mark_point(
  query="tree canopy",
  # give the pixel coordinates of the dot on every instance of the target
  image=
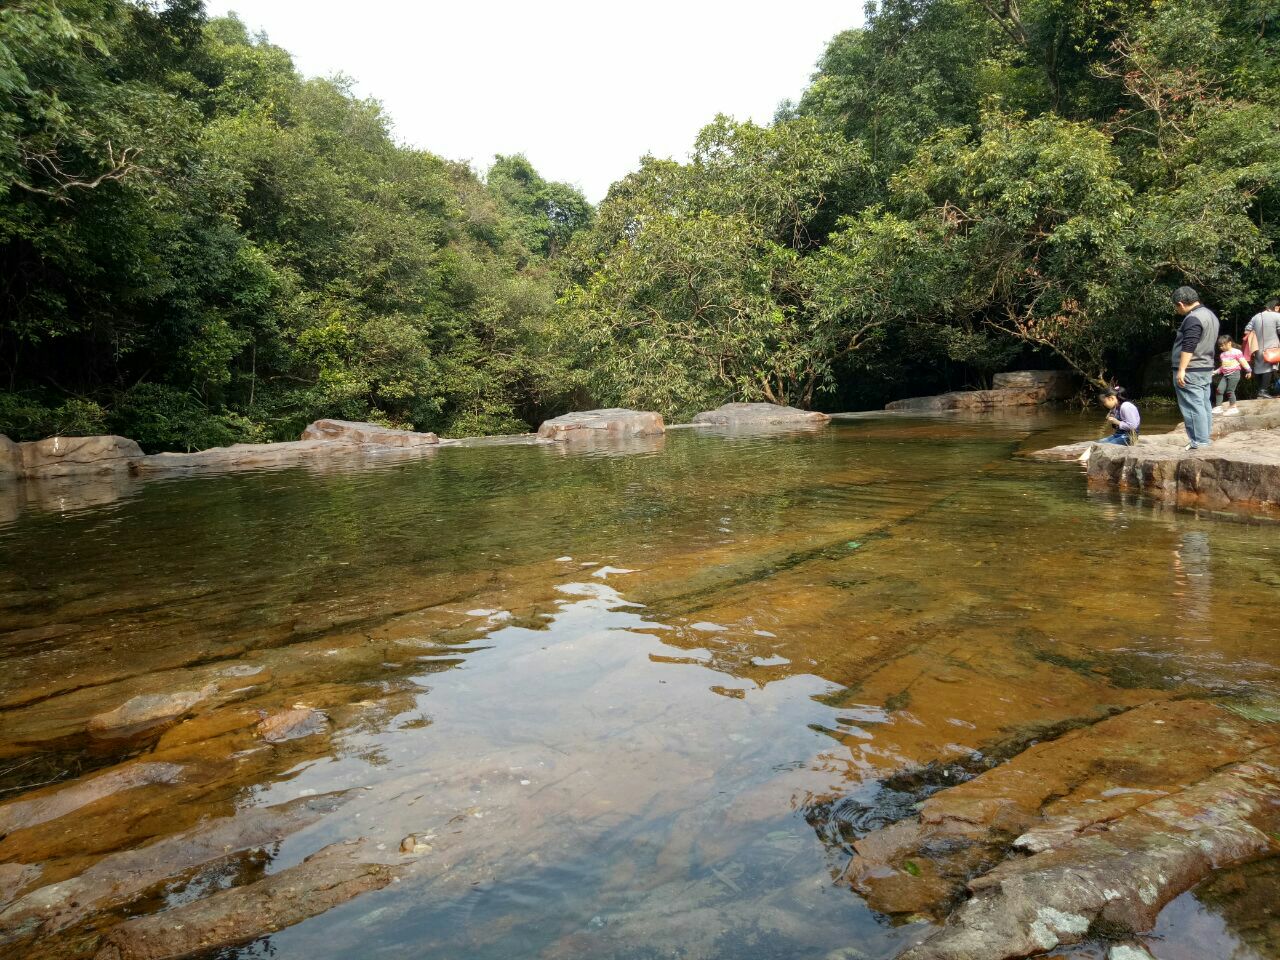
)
(198, 245)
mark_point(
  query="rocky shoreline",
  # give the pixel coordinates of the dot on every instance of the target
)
(1240, 471)
(84, 457)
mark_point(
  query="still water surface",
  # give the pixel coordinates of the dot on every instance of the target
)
(641, 700)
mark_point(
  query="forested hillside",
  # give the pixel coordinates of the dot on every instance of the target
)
(199, 246)
(965, 185)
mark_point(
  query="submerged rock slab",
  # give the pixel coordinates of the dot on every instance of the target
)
(759, 414)
(232, 917)
(348, 431)
(1045, 797)
(119, 878)
(608, 424)
(292, 724)
(1114, 879)
(63, 456)
(146, 712)
(58, 801)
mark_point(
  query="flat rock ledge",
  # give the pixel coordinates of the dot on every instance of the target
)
(1241, 469)
(760, 415)
(608, 424)
(1085, 836)
(1018, 388)
(85, 456)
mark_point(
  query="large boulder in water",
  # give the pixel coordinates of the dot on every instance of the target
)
(10, 459)
(759, 414)
(1056, 384)
(62, 456)
(610, 424)
(349, 431)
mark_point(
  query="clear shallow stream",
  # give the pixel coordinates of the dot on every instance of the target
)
(640, 699)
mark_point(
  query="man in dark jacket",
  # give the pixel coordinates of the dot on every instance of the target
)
(1193, 365)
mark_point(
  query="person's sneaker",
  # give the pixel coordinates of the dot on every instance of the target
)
(1233, 412)
(1189, 446)
(1219, 408)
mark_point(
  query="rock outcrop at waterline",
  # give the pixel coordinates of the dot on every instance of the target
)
(759, 414)
(609, 424)
(1240, 469)
(372, 434)
(1087, 835)
(85, 456)
(65, 456)
(1019, 388)
(10, 459)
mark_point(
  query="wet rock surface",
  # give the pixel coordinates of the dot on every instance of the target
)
(1047, 796)
(1113, 879)
(119, 878)
(607, 424)
(63, 456)
(1061, 453)
(292, 724)
(55, 802)
(10, 459)
(348, 431)
(147, 711)
(324, 880)
(1241, 468)
(759, 414)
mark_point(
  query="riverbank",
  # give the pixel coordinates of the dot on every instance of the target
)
(1239, 471)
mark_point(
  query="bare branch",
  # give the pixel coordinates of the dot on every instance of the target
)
(50, 165)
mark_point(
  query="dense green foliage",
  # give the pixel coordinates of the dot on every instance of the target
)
(965, 185)
(198, 246)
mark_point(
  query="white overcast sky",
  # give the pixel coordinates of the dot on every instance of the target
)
(583, 88)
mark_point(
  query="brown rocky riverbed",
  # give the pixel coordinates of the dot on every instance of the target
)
(807, 693)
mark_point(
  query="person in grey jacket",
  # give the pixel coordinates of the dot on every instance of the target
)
(1193, 365)
(1265, 327)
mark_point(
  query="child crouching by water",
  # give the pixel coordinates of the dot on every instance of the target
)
(1122, 415)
